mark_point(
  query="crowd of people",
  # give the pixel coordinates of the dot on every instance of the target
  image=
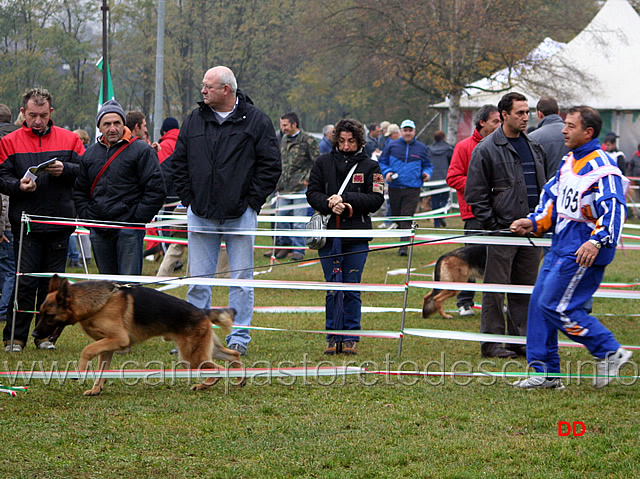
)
(226, 160)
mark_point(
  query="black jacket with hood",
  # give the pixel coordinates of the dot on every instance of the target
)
(221, 168)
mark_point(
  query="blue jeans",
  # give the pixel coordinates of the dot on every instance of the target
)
(74, 254)
(302, 211)
(118, 251)
(205, 239)
(7, 274)
(352, 267)
(557, 303)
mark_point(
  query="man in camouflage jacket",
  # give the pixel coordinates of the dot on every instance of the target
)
(298, 151)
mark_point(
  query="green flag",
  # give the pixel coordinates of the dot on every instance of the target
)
(110, 94)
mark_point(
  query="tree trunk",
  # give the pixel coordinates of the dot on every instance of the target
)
(454, 116)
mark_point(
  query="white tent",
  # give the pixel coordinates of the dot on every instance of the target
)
(599, 68)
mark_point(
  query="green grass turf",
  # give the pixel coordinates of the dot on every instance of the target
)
(355, 426)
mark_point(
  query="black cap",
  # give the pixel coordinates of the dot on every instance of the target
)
(170, 123)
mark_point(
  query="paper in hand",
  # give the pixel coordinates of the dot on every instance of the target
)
(34, 171)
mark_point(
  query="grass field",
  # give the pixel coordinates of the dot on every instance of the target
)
(354, 426)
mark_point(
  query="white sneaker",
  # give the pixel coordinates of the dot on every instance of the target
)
(393, 226)
(46, 345)
(609, 367)
(466, 311)
(539, 382)
(16, 348)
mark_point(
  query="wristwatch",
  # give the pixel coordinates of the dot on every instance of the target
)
(595, 243)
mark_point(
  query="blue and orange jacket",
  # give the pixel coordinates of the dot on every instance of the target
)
(24, 148)
(603, 205)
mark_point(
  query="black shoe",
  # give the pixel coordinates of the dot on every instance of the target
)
(403, 251)
(520, 350)
(282, 253)
(500, 353)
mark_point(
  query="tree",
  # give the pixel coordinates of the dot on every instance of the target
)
(47, 43)
(440, 47)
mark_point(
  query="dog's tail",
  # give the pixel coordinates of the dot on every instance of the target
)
(223, 317)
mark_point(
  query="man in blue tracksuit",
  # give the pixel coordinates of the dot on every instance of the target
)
(405, 164)
(585, 205)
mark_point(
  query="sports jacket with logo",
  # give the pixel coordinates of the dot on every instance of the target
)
(579, 210)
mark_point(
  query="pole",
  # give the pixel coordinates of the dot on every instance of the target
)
(105, 51)
(15, 291)
(427, 125)
(414, 225)
(157, 106)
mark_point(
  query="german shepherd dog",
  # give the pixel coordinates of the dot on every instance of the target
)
(117, 317)
(456, 266)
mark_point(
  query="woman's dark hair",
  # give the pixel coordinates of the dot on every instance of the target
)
(352, 126)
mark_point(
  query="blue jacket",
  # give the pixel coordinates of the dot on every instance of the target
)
(409, 160)
(325, 146)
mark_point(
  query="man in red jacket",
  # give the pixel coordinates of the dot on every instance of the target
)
(174, 252)
(47, 193)
(487, 120)
(169, 132)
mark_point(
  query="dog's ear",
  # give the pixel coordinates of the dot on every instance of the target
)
(54, 283)
(63, 298)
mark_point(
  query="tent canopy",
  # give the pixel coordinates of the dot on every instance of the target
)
(599, 67)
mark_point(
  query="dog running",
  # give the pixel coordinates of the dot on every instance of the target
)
(455, 266)
(117, 317)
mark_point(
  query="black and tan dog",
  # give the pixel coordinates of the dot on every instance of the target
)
(117, 317)
(456, 266)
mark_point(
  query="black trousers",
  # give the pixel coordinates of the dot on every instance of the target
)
(41, 253)
(403, 202)
(507, 265)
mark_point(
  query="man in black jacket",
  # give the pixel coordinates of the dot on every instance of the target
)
(226, 163)
(505, 177)
(119, 181)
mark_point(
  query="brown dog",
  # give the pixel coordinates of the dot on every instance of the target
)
(457, 266)
(117, 317)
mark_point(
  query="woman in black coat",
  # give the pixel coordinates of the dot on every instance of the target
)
(362, 196)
